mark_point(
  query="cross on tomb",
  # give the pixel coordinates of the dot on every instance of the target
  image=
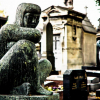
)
(99, 21)
(86, 9)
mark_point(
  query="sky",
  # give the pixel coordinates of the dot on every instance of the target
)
(93, 14)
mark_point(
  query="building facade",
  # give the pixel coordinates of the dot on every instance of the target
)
(74, 38)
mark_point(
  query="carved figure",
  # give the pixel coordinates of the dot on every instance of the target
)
(20, 70)
(68, 2)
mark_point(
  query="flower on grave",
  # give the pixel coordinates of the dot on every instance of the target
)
(54, 88)
(49, 88)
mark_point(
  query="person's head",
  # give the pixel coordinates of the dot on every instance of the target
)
(27, 15)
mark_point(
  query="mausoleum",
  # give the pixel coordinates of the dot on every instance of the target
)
(74, 37)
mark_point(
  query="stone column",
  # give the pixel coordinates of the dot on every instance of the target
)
(64, 51)
(47, 44)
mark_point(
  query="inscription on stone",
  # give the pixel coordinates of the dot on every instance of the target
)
(75, 85)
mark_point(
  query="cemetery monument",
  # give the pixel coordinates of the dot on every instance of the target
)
(20, 71)
(75, 85)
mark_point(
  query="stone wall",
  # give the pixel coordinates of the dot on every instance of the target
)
(89, 49)
(74, 48)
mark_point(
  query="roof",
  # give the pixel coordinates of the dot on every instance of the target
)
(71, 10)
(61, 11)
(63, 8)
(87, 26)
(55, 11)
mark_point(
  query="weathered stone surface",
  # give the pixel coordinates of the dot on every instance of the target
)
(77, 48)
(18, 58)
(55, 96)
(89, 54)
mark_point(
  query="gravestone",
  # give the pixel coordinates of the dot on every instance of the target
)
(75, 85)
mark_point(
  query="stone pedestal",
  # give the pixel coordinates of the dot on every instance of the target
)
(55, 96)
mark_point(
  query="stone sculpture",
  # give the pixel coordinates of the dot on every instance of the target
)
(68, 2)
(20, 70)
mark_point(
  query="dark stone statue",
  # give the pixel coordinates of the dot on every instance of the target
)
(20, 70)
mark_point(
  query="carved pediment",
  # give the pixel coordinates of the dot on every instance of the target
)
(55, 11)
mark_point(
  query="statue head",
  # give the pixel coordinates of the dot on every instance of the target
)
(27, 15)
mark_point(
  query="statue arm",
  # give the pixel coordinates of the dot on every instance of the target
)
(7, 32)
(31, 34)
(12, 32)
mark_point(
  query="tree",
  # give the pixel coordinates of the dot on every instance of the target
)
(97, 2)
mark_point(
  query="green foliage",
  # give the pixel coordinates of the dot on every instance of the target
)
(97, 2)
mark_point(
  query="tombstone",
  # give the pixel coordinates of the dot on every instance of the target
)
(47, 44)
(75, 85)
(98, 93)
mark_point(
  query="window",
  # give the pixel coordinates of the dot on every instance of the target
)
(74, 32)
(56, 42)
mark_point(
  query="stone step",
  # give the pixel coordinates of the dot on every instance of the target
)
(93, 86)
(92, 80)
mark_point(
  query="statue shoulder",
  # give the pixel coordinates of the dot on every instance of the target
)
(9, 27)
(8, 30)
